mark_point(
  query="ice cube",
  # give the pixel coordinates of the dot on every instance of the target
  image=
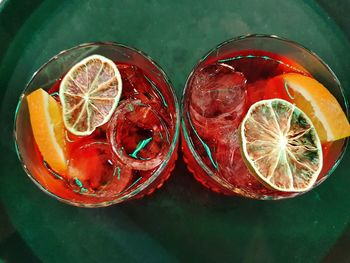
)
(92, 170)
(138, 135)
(218, 99)
(136, 85)
(217, 89)
(229, 159)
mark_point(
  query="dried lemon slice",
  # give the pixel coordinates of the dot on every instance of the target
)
(89, 94)
(280, 146)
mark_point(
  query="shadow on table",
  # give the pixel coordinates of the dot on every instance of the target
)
(188, 220)
(12, 246)
(340, 251)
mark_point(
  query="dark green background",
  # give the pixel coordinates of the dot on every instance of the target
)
(182, 222)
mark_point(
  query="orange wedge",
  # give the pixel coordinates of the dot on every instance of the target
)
(319, 105)
(48, 129)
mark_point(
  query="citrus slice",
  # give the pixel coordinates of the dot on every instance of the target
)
(280, 146)
(89, 94)
(48, 129)
(318, 104)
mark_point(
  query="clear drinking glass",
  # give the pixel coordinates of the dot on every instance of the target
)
(141, 182)
(200, 136)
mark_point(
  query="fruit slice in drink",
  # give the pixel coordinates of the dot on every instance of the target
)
(89, 94)
(280, 146)
(317, 102)
(48, 129)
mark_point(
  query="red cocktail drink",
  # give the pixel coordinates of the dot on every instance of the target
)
(111, 126)
(219, 93)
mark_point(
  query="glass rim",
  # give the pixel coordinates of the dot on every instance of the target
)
(139, 188)
(184, 127)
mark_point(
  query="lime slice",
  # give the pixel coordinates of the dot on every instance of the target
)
(89, 94)
(280, 146)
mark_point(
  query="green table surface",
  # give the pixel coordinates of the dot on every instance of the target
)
(181, 222)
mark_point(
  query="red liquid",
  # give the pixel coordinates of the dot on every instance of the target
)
(218, 96)
(123, 153)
